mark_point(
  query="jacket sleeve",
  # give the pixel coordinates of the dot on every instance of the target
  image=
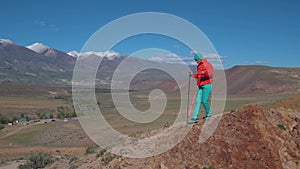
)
(198, 77)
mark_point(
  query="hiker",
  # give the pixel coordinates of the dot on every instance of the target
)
(204, 78)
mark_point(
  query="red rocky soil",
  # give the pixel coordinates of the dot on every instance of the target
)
(251, 137)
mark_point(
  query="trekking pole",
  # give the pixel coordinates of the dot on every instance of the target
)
(193, 102)
(188, 99)
(190, 107)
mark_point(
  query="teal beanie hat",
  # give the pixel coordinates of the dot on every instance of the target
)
(198, 56)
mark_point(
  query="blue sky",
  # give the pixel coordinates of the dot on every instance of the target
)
(246, 32)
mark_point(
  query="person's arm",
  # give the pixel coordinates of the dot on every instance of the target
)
(196, 75)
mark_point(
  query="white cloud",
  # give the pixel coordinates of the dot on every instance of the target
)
(110, 55)
(156, 59)
(40, 23)
(45, 25)
(167, 58)
(215, 59)
(260, 62)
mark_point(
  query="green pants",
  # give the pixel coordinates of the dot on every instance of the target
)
(202, 97)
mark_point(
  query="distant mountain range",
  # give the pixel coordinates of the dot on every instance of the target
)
(262, 79)
(39, 64)
(22, 65)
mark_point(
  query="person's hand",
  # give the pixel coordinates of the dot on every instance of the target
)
(202, 72)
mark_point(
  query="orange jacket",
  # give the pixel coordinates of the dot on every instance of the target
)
(204, 73)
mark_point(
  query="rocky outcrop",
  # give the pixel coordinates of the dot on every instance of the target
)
(251, 137)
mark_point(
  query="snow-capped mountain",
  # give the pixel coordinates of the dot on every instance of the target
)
(54, 54)
(73, 53)
(4, 42)
(39, 64)
(22, 65)
(110, 55)
(42, 49)
(39, 47)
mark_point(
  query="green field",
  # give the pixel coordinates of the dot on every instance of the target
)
(16, 100)
(51, 134)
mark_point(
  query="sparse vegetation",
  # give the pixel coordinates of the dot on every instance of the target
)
(74, 162)
(208, 167)
(59, 97)
(281, 126)
(108, 158)
(3, 119)
(90, 149)
(65, 112)
(38, 160)
(2, 162)
(73, 159)
(100, 153)
(73, 167)
(1, 126)
(42, 115)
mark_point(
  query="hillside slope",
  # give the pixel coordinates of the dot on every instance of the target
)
(262, 79)
(251, 137)
(20, 65)
(292, 103)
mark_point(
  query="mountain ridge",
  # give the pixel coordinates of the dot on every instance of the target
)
(262, 79)
(22, 65)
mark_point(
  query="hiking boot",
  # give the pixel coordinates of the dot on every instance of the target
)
(192, 121)
(207, 117)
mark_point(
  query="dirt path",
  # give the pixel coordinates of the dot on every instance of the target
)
(15, 131)
(21, 128)
(58, 150)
